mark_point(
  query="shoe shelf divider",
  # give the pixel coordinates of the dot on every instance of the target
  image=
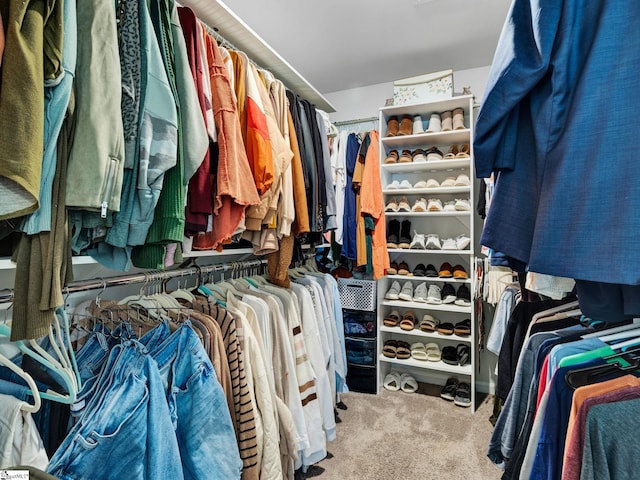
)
(445, 224)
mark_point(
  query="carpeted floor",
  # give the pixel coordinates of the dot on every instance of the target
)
(397, 435)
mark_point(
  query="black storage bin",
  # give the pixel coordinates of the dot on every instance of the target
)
(359, 324)
(361, 351)
(361, 378)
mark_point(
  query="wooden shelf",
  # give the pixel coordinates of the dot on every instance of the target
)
(428, 214)
(427, 139)
(427, 191)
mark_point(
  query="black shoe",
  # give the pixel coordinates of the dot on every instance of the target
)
(448, 293)
(449, 390)
(463, 297)
(405, 234)
(464, 354)
(393, 234)
(463, 395)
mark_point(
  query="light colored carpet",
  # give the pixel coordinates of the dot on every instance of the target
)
(396, 435)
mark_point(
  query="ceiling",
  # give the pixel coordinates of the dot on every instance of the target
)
(342, 44)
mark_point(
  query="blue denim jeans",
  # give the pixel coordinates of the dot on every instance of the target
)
(126, 430)
(198, 406)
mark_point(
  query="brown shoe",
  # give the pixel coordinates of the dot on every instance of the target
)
(392, 127)
(458, 119)
(447, 121)
(406, 125)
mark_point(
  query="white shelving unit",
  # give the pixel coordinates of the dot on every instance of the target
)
(444, 224)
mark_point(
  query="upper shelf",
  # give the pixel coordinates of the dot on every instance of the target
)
(219, 16)
(430, 166)
(463, 101)
(449, 137)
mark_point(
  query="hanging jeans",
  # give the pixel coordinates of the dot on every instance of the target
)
(198, 406)
(126, 430)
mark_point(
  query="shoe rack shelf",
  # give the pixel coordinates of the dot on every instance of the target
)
(402, 278)
(419, 333)
(445, 224)
(403, 304)
(411, 251)
(427, 191)
(439, 366)
(428, 214)
(408, 141)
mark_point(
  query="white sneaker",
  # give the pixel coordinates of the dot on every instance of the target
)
(449, 207)
(448, 182)
(420, 294)
(405, 185)
(393, 292)
(420, 184)
(462, 242)
(435, 205)
(432, 183)
(449, 244)
(395, 185)
(434, 295)
(417, 125)
(417, 243)
(419, 206)
(462, 181)
(462, 205)
(433, 242)
(407, 291)
(435, 124)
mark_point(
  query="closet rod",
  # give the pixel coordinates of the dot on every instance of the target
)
(147, 277)
(353, 122)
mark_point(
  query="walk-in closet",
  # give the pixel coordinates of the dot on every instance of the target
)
(335, 240)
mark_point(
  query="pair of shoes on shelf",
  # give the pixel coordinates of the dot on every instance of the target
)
(396, 127)
(398, 234)
(458, 355)
(457, 392)
(396, 268)
(395, 205)
(447, 271)
(396, 185)
(396, 349)
(430, 183)
(461, 180)
(458, 151)
(398, 292)
(426, 352)
(395, 381)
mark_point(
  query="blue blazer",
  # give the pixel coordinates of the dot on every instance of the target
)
(559, 126)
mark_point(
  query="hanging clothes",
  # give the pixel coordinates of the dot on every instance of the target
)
(535, 133)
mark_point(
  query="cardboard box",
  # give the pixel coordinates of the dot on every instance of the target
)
(423, 88)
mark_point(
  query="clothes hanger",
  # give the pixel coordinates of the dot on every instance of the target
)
(589, 375)
(65, 375)
(33, 389)
(622, 328)
(543, 316)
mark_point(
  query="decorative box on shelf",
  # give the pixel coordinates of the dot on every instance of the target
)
(423, 88)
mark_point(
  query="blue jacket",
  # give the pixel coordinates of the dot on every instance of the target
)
(558, 125)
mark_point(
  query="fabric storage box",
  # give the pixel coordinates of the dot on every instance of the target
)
(357, 294)
(361, 378)
(361, 351)
(359, 324)
(423, 88)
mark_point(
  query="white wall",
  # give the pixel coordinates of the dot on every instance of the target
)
(364, 102)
